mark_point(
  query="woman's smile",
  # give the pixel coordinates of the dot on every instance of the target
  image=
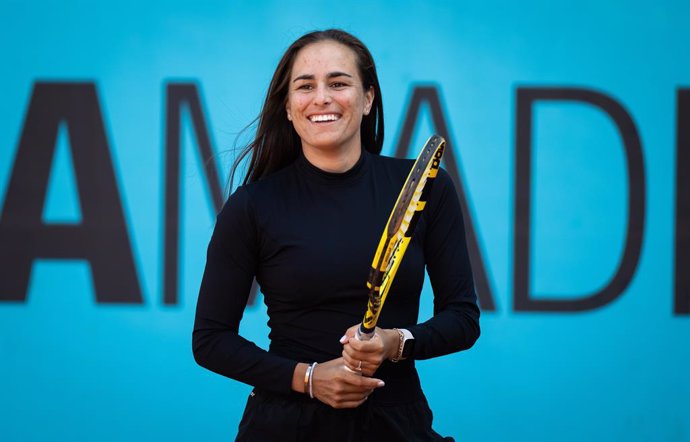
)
(324, 118)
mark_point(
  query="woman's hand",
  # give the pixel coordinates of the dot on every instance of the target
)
(367, 356)
(335, 385)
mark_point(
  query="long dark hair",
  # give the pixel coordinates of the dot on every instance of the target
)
(276, 144)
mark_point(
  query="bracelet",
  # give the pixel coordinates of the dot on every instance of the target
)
(312, 367)
(401, 346)
(307, 376)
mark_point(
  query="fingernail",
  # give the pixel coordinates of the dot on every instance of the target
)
(343, 339)
(381, 384)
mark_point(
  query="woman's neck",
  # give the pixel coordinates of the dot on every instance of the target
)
(335, 161)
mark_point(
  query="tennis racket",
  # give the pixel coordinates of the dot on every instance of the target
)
(399, 230)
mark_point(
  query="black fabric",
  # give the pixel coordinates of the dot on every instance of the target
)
(273, 417)
(309, 237)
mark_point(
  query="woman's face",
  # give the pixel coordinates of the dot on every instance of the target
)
(326, 99)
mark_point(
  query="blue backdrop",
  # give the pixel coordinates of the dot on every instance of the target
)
(79, 365)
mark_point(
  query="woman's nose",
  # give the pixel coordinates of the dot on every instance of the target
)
(323, 95)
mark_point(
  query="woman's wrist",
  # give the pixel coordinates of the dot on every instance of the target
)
(298, 377)
(391, 342)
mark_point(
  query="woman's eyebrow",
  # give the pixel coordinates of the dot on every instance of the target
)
(339, 74)
(330, 75)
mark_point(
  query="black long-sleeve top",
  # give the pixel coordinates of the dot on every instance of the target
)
(309, 237)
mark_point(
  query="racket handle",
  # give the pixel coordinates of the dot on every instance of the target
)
(363, 334)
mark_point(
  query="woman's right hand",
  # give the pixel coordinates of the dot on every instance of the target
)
(335, 385)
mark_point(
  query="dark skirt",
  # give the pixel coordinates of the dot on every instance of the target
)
(275, 418)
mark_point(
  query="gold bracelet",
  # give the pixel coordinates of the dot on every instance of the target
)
(307, 375)
(401, 344)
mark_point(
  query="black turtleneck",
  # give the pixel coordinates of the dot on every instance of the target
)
(309, 236)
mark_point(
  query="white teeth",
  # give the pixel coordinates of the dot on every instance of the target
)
(327, 117)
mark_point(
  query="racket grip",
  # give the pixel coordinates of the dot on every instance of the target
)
(363, 334)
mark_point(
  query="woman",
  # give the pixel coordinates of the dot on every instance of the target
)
(306, 223)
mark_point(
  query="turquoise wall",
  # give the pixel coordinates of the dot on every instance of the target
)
(74, 366)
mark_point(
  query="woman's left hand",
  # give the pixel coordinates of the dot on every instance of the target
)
(367, 356)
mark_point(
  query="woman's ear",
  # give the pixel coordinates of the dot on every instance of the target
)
(369, 100)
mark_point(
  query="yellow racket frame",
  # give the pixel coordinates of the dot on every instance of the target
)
(399, 230)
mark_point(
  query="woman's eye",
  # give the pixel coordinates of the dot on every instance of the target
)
(305, 87)
(338, 84)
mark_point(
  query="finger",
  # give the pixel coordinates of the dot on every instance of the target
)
(349, 335)
(351, 363)
(355, 344)
(359, 365)
(374, 345)
(354, 370)
(368, 370)
(352, 355)
(352, 331)
(364, 383)
(358, 368)
(352, 358)
(350, 352)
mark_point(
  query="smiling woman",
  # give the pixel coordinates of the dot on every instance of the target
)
(277, 142)
(326, 103)
(306, 223)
